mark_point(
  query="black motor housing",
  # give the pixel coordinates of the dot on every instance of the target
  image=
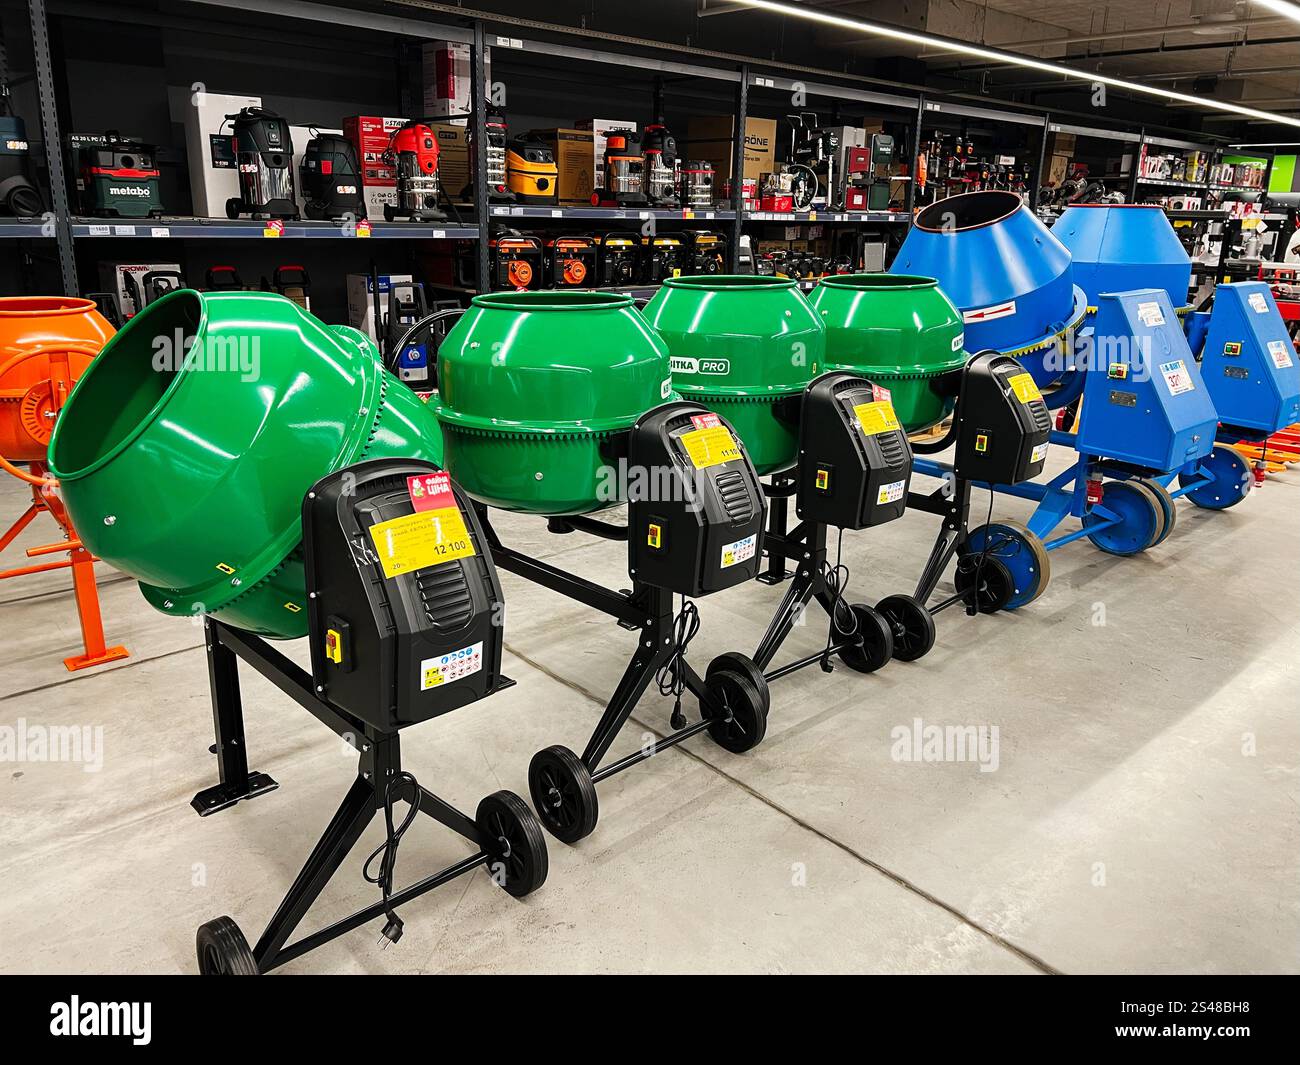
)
(1003, 424)
(855, 463)
(696, 509)
(331, 178)
(404, 604)
(18, 195)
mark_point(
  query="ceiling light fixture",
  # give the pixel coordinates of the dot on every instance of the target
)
(995, 55)
(1280, 7)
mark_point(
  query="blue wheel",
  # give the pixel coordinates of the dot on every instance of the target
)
(1020, 551)
(1166, 502)
(1141, 519)
(1231, 479)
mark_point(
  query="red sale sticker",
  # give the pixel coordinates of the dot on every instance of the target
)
(706, 421)
(431, 491)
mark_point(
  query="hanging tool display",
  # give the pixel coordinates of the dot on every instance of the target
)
(531, 172)
(413, 154)
(331, 178)
(263, 150)
(814, 149)
(624, 171)
(661, 167)
(116, 177)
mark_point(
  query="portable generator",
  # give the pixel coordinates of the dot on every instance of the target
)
(696, 184)
(531, 173)
(515, 261)
(413, 154)
(660, 150)
(624, 171)
(116, 177)
(18, 194)
(263, 150)
(662, 255)
(331, 178)
(498, 186)
(570, 262)
(704, 251)
(618, 260)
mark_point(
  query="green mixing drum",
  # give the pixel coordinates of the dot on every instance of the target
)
(902, 332)
(746, 347)
(185, 450)
(537, 391)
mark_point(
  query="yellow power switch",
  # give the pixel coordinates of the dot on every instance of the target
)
(334, 646)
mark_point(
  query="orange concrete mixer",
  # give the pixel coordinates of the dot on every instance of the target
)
(46, 343)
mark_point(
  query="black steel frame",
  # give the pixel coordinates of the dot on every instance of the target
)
(953, 506)
(644, 609)
(805, 547)
(379, 761)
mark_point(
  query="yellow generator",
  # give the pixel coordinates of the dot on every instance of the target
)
(531, 173)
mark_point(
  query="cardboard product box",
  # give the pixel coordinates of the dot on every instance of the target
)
(214, 178)
(361, 307)
(1061, 143)
(710, 137)
(598, 128)
(370, 135)
(112, 278)
(1058, 169)
(447, 77)
(575, 160)
(453, 157)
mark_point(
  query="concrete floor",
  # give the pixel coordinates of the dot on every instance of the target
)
(1142, 817)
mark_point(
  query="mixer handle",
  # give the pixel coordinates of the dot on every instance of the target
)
(60, 379)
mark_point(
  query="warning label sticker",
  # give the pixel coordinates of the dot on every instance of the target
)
(451, 667)
(1151, 314)
(1258, 303)
(424, 538)
(1277, 351)
(1022, 384)
(891, 493)
(876, 418)
(987, 314)
(1177, 378)
(1038, 454)
(711, 445)
(741, 551)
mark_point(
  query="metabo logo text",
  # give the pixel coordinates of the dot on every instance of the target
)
(717, 367)
(128, 190)
(121, 1019)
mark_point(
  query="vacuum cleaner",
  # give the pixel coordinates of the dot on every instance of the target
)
(494, 155)
(263, 150)
(413, 154)
(624, 172)
(116, 177)
(660, 150)
(331, 178)
(18, 195)
(531, 173)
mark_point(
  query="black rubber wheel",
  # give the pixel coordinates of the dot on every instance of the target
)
(746, 666)
(912, 626)
(223, 950)
(389, 212)
(563, 793)
(997, 586)
(513, 835)
(234, 207)
(877, 645)
(738, 709)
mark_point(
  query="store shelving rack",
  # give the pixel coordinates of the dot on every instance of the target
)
(914, 104)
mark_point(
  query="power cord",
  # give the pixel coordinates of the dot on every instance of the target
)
(836, 579)
(973, 607)
(671, 676)
(386, 852)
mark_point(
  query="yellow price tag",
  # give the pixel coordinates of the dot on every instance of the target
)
(710, 446)
(877, 417)
(424, 538)
(1024, 388)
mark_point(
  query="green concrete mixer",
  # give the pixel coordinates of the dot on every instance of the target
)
(560, 404)
(186, 449)
(754, 348)
(744, 346)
